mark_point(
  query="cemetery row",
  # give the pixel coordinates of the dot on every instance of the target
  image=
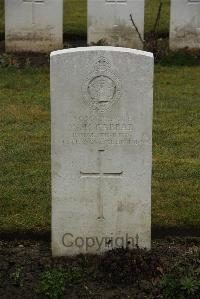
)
(37, 25)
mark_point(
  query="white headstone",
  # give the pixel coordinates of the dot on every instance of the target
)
(101, 112)
(185, 24)
(109, 21)
(33, 25)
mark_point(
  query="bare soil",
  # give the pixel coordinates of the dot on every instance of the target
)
(117, 274)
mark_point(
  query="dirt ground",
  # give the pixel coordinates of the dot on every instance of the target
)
(117, 274)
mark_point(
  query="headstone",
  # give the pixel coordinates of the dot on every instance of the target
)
(109, 22)
(185, 24)
(101, 103)
(33, 25)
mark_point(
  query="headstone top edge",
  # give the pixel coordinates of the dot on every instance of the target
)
(103, 49)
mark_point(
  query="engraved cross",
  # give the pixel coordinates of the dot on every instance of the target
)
(33, 3)
(100, 174)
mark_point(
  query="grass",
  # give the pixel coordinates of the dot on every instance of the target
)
(25, 148)
(151, 10)
(176, 147)
(75, 16)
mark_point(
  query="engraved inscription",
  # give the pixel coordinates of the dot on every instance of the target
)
(102, 87)
(33, 3)
(116, 1)
(103, 131)
(100, 175)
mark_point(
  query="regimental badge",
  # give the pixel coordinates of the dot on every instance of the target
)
(102, 87)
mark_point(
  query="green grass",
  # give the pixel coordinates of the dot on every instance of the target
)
(151, 11)
(75, 16)
(25, 148)
(176, 147)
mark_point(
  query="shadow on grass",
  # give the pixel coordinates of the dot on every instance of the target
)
(157, 232)
(183, 57)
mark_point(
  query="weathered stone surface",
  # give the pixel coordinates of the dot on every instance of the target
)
(101, 103)
(33, 25)
(109, 21)
(185, 24)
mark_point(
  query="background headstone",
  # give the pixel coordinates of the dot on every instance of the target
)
(185, 24)
(109, 20)
(33, 25)
(101, 103)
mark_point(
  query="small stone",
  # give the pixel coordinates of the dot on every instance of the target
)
(21, 246)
